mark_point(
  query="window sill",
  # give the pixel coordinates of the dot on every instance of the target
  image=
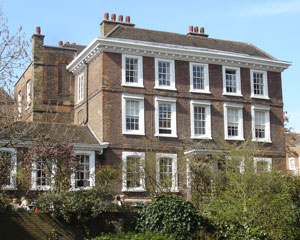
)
(80, 188)
(133, 190)
(261, 140)
(235, 139)
(9, 188)
(134, 133)
(165, 88)
(200, 91)
(41, 188)
(201, 137)
(260, 97)
(166, 135)
(232, 94)
(133, 85)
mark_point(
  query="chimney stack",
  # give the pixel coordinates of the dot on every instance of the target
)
(60, 43)
(195, 31)
(38, 30)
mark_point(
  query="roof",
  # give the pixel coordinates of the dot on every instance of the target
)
(78, 48)
(125, 32)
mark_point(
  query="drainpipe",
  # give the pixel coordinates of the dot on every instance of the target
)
(87, 94)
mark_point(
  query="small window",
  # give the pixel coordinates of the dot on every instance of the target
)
(199, 79)
(80, 87)
(200, 119)
(133, 114)
(231, 81)
(132, 71)
(262, 164)
(164, 74)
(133, 171)
(19, 104)
(28, 94)
(292, 166)
(8, 158)
(233, 121)
(259, 84)
(42, 174)
(166, 174)
(165, 117)
(261, 123)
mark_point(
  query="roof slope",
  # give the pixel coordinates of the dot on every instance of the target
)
(125, 32)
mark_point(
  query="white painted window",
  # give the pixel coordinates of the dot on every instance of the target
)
(9, 157)
(262, 164)
(259, 84)
(132, 71)
(292, 166)
(199, 78)
(133, 171)
(164, 74)
(200, 119)
(231, 81)
(80, 93)
(28, 98)
(133, 114)
(166, 172)
(42, 174)
(84, 177)
(233, 121)
(19, 104)
(261, 123)
(165, 117)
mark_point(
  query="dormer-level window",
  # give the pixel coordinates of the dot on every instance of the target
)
(164, 74)
(132, 71)
(231, 81)
(199, 79)
(259, 84)
(80, 91)
(28, 94)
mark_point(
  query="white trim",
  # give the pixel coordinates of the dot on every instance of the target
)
(238, 107)
(174, 187)
(140, 99)
(34, 185)
(13, 170)
(265, 87)
(266, 110)
(172, 102)
(206, 105)
(140, 82)
(19, 104)
(206, 78)
(238, 81)
(172, 75)
(206, 55)
(292, 168)
(28, 84)
(141, 156)
(267, 160)
(80, 87)
(91, 155)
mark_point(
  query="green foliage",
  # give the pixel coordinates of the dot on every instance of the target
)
(170, 215)
(76, 205)
(5, 205)
(106, 176)
(134, 236)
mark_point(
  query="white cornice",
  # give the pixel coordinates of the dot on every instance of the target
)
(176, 52)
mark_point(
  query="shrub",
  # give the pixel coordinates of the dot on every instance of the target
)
(5, 205)
(134, 236)
(169, 215)
(81, 205)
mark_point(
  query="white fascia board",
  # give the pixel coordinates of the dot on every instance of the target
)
(173, 52)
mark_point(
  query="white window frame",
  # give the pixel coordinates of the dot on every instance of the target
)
(140, 82)
(265, 80)
(267, 160)
(13, 170)
(207, 106)
(34, 185)
(80, 90)
(238, 81)
(174, 187)
(290, 167)
(91, 155)
(19, 104)
(142, 187)
(172, 102)
(28, 94)
(172, 86)
(265, 109)
(206, 78)
(239, 107)
(140, 98)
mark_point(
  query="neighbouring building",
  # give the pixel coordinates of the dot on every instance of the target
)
(293, 153)
(140, 91)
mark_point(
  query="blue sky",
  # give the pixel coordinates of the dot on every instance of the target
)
(272, 25)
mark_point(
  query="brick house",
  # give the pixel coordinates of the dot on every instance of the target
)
(293, 152)
(139, 91)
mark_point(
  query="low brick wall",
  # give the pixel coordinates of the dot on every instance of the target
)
(39, 226)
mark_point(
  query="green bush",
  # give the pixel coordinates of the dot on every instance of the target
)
(5, 205)
(81, 205)
(134, 236)
(169, 215)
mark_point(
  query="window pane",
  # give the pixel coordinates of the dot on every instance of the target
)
(233, 122)
(43, 172)
(164, 73)
(258, 83)
(260, 124)
(165, 172)
(199, 120)
(6, 165)
(231, 85)
(198, 77)
(82, 175)
(132, 115)
(165, 118)
(131, 70)
(133, 172)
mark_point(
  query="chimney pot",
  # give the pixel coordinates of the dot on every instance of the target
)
(38, 30)
(202, 30)
(120, 18)
(60, 43)
(67, 43)
(113, 17)
(191, 29)
(106, 16)
(196, 29)
(128, 19)
(73, 43)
